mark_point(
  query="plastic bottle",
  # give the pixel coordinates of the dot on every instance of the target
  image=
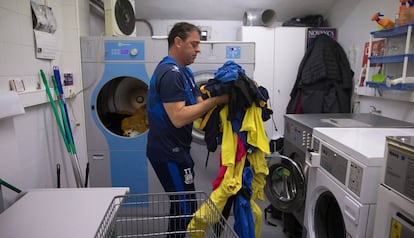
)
(402, 14)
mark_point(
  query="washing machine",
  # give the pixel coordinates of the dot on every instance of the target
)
(286, 184)
(212, 56)
(343, 180)
(395, 208)
(116, 72)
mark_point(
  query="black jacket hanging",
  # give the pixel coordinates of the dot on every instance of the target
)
(324, 80)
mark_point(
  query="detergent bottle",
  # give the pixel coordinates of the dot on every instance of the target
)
(403, 12)
(410, 12)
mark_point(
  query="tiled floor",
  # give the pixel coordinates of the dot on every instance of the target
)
(271, 230)
(204, 176)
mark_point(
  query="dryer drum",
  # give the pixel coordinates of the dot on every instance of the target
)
(200, 79)
(285, 185)
(121, 106)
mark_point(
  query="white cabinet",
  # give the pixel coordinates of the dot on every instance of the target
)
(279, 51)
(264, 60)
(290, 47)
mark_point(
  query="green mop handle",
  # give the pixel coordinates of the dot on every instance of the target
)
(68, 134)
(49, 94)
(77, 174)
(69, 137)
(9, 186)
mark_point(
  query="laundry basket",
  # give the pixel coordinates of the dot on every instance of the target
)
(147, 215)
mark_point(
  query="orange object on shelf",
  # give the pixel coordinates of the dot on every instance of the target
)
(402, 15)
(406, 12)
(384, 23)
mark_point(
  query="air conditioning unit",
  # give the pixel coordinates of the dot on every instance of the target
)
(120, 17)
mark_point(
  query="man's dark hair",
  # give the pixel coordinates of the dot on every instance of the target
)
(181, 29)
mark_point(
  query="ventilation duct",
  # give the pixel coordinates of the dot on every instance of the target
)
(258, 17)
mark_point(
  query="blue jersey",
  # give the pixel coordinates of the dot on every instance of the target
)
(169, 83)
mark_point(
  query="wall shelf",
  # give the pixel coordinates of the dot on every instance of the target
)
(39, 96)
(394, 64)
(384, 86)
(391, 59)
(396, 31)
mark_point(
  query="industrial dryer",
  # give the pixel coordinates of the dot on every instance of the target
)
(116, 72)
(212, 56)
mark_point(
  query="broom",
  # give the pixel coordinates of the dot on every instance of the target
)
(64, 129)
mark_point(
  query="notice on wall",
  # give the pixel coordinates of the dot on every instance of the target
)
(46, 45)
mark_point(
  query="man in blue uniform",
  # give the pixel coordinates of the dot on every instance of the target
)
(174, 102)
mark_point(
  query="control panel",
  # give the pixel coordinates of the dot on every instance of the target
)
(297, 134)
(334, 163)
(233, 52)
(355, 178)
(399, 171)
(124, 50)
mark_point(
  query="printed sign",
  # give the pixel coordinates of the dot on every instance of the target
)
(314, 32)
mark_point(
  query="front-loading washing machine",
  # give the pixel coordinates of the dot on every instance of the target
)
(116, 72)
(286, 184)
(395, 208)
(343, 180)
(213, 55)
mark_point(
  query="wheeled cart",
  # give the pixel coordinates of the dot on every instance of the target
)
(148, 215)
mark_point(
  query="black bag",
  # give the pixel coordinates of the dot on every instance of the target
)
(307, 21)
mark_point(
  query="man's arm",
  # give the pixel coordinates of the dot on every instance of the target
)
(181, 115)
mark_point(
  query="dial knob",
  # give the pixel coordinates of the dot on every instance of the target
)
(134, 51)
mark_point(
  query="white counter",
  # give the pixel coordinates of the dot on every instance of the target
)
(57, 213)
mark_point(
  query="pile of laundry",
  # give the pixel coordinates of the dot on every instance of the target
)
(239, 128)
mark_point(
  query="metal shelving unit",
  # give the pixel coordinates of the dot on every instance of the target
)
(404, 82)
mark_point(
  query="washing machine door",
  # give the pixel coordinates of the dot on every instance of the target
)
(328, 221)
(200, 77)
(120, 106)
(285, 185)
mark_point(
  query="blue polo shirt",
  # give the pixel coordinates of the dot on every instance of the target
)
(169, 83)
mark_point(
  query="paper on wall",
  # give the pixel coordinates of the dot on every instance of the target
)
(46, 45)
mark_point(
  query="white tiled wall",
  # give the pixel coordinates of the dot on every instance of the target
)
(31, 144)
